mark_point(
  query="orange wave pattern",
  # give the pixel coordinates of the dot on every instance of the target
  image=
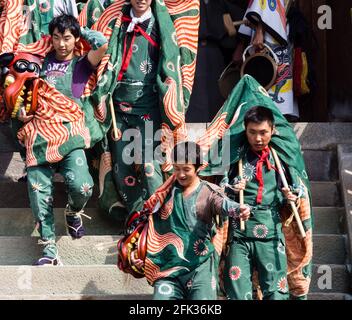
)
(158, 242)
(170, 103)
(83, 18)
(187, 32)
(179, 6)
(215, 131)
(105, 167)
(188, 72)
(100, 110)
(111, 12)
(54, 109)
(41, 47)
(160, 194)
(167, 208)
(153, 273)
(11, 22)
(299, 251)
(186, 28)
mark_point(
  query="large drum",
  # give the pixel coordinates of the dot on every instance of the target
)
(228, 79)
(262, 66)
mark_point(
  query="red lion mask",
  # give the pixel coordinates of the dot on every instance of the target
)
(135, 240)
(20, 72)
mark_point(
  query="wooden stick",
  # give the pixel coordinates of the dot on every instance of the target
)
(238, 23)
(293, 206)
(114, 126)
(240, 172)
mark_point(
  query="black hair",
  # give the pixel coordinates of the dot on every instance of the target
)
(258, 115)
(65, 22)
(187, 152)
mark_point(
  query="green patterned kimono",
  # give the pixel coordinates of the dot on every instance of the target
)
(225, 143)
(73, 166)
(155, 88)
(182, 256)
(136, 103)
(261, 245)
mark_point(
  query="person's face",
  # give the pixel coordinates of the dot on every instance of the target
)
(140, 7)
(259, 135)
(186, 174)
(64, 44)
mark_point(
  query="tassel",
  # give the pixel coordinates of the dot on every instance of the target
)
(35, 233)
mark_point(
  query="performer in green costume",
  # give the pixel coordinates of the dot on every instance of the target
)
(69, 75)
(136, 103)
(182, 245)
(152, 58)
(261, 245)
(271, 236)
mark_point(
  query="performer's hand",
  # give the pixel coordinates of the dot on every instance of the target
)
(245, 212)
(137, 262)
(23, 116)
(240, 185)
(289, 195)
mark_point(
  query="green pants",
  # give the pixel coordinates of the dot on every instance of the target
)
(136, 180)
(268, 257)
(199, 284)
(79, 184)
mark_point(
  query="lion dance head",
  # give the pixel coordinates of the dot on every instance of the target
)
(19, 74)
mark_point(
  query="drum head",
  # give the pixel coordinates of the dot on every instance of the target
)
(261, 68)
(228, 79)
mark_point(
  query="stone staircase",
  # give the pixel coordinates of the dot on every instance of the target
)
(90, 271)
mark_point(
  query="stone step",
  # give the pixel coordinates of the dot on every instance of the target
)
(323, 135)
(90, 281)
(101, 250)
(71, 280)
(329, 249)
(89, 250)
(326, 194)
(11, 166)
(14, 195)
(321, 165)
(20, 222)
(328, 220)
(7, 143)
(329, 278)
